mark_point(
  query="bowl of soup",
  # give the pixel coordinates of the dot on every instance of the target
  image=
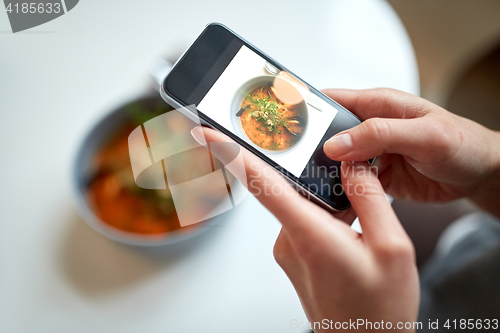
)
(105, 190)
(270, 114)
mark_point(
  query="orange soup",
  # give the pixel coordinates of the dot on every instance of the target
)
(263, 119)
(119, 202)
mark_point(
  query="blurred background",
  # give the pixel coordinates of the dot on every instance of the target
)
(58, 80)
(457, 46)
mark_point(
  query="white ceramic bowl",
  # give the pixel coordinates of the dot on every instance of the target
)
(253, 83)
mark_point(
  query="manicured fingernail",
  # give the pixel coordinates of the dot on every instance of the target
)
(198, 135)
(338, 145)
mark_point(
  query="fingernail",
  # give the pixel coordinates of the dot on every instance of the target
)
(198, 135)
(338, 145)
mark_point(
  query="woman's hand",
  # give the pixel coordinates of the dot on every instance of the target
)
(339, 275)
(425, 152)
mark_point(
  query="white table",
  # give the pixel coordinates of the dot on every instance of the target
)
(58, 275)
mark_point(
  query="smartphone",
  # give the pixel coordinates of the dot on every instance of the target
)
(247, 95)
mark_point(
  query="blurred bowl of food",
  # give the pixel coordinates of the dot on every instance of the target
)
(270, 113)
(106, 193)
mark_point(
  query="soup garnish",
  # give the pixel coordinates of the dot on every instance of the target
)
(268, 122)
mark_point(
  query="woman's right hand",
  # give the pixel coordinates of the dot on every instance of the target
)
(425, 153)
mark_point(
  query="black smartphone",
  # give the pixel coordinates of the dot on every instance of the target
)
(242, 92)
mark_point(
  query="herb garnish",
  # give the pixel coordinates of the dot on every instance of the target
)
(267, 112)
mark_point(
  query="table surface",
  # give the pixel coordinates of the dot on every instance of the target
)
(56, 80)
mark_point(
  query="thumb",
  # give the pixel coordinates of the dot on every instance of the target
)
(422, 139)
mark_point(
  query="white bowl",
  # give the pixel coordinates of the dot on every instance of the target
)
(238, 98)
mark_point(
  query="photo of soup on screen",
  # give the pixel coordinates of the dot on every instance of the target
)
(271, 110)
(266, 119)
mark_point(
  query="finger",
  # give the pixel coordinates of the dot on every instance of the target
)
(348, 216)
(376, 216)
(288, 259)
(384, 165)
(422, 139)
(286, 256)
(274, 192)
(381, 102)
(255, 169)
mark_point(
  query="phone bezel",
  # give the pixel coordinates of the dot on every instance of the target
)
(171, 99)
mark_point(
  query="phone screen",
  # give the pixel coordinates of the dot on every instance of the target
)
(275, 114)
